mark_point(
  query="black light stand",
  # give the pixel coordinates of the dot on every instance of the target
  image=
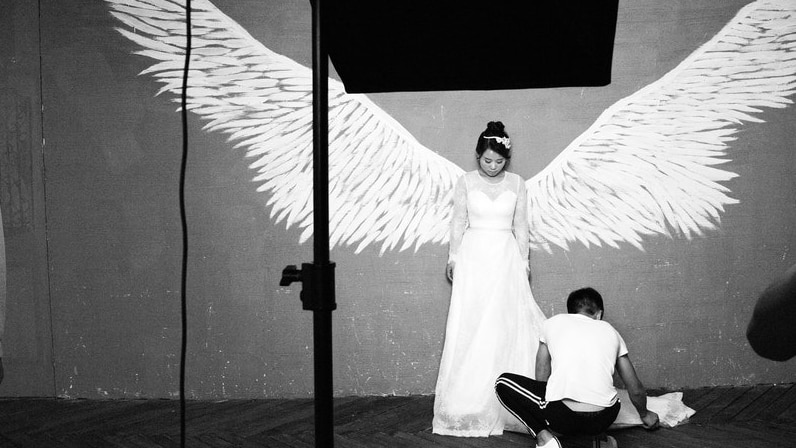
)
(317, 277)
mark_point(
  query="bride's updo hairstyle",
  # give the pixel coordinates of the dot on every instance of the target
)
(494, 138)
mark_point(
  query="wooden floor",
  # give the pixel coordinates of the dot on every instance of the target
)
(760, 417)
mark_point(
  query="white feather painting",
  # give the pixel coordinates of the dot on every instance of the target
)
(651, 163)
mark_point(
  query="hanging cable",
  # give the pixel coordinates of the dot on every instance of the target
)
(183, 282)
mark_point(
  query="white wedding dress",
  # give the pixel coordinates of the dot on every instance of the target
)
(493, 320)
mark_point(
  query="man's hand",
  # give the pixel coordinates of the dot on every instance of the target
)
(636, 392)
(650, 420)
(449, 270)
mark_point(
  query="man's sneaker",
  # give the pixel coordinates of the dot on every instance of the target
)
(552, 443)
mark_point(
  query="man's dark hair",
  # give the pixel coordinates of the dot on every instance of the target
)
(585, 300)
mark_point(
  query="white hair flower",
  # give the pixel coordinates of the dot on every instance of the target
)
(504, 140)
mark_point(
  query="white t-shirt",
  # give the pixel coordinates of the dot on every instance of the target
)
(583, 355)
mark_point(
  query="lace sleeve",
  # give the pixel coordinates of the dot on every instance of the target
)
(458, 218)
(522, 230)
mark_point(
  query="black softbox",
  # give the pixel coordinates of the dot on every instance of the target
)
(414, 45)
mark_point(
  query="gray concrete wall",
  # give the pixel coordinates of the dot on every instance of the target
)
(27, 339)
(95, 260)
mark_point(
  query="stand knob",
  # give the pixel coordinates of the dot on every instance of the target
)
(290, 274)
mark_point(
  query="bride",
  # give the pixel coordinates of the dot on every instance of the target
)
(492, 311)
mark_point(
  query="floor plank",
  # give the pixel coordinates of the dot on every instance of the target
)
(726, 417)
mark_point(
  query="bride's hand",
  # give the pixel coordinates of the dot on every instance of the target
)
(449, 270)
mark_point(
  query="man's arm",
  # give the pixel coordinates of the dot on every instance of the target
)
(542, 362)
(636, 391)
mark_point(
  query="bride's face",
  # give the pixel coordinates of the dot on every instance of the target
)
(491, 163)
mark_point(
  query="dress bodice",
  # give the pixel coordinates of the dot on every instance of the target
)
(490, 205)
(479, 204)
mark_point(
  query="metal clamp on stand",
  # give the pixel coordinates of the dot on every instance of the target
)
(317, 292)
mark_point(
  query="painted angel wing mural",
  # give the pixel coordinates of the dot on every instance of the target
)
(385, 187)
(648, 165)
